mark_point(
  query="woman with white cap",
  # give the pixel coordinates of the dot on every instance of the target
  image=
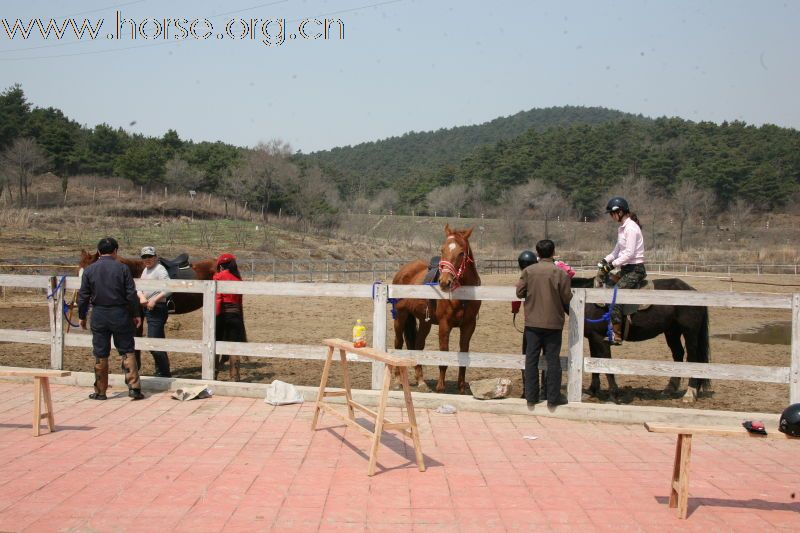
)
(154, 307)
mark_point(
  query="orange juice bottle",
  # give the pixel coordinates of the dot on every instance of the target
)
(359, 335)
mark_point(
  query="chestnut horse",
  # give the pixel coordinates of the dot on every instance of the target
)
(183, 302)
(456, 268)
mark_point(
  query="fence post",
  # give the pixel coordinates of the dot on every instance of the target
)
(56, 306)
(381, 295)
(209, 329)
(794, 368)
(575, 371)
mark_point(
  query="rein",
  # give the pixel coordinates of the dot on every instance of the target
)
(449, 268)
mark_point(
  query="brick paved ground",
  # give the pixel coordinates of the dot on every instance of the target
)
(237, 464)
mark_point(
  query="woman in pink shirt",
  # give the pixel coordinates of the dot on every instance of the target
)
(628, 255)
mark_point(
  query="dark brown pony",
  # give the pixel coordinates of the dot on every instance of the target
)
(184, 302)
(457, 268)
(677, 322)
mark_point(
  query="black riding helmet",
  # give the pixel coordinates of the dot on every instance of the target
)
(526, 259)
(616, 204)
(790, 420)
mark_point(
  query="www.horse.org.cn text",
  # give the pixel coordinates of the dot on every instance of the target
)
(268, 31)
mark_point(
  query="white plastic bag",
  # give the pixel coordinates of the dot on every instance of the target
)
(282, 393)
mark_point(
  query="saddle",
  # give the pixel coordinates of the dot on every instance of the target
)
(178, 268)
(432, 276)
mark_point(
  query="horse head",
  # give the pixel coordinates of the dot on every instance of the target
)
(87, 259)
(456, 255)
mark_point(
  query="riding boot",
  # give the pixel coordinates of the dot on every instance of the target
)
(617, 327)
(161, 361)
(100, 378)
(132, 376)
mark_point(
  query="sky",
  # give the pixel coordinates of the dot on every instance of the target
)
(400, 65)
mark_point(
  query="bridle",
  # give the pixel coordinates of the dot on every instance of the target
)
(449, 268)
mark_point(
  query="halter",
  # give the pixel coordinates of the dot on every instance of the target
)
(449, 268)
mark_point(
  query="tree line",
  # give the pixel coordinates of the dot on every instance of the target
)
(555, 162)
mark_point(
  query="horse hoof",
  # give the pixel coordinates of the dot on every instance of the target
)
(586, 397)
(440, 389)
(423, 387)
(690, 396)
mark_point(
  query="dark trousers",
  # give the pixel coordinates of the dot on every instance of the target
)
(547, 341)
(110, 322)
(156, 320)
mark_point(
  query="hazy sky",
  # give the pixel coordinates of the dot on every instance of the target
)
(405, 65)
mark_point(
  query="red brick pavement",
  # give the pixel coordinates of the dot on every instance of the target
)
(238, 464)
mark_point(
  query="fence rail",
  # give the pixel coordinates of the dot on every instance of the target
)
(577, 363)
(343, 271)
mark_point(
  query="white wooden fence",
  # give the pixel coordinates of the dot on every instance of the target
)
(576, 365)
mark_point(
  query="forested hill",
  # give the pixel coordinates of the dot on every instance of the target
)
(369, 167)
(734, 161)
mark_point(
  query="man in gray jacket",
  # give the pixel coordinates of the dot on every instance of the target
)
(546, 290)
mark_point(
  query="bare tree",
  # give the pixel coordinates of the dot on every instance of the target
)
(386, 200)
(513, 210)
(264, 172)
(544, 200)
(689, 201)
(180, 174)
(20, 161)
(449, 200)
(739, 211)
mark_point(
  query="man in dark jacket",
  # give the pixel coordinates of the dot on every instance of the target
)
(108, 286)
(546, 290)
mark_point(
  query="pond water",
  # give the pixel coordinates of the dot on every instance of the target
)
(775, 333)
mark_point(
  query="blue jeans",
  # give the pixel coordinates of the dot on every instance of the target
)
(156, 320)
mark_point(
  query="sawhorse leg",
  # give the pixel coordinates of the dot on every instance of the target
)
(41, 391)
(346, 378)
(412, 418)
(679, 488)
(379, 420)
(322, 384)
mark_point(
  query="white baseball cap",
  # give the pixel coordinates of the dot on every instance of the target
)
(148, 250)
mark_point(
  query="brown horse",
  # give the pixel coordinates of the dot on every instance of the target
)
(456, 268)
(182, 302)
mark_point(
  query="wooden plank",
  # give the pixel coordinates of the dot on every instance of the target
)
(173, 285)
(35, 373)
(379, 304)
(712, 299)
(794, 365)
(766, 374)
(322, 384)
(575, 345)
(363, 408)
(26, 337)
(28, 282)
(471, 359)
(720, 431)
(369, 353)
(209, 326)
(37, 406)
(335, 393)
(271, 288)
(82, 340)
(352, 423)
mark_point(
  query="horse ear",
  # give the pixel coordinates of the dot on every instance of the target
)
(467, 233)
(447, 230)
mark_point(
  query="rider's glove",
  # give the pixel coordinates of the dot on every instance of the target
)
(605, 266)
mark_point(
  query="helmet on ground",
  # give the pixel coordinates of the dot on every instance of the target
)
(616, 204)
(225, 258)
(526, 259)
(790, 420)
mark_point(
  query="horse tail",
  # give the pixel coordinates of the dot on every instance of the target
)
(703, 349)
(410, 331)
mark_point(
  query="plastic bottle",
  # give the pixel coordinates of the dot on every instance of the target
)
(359, 335)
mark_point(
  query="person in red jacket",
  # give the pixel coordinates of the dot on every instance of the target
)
(230, 315)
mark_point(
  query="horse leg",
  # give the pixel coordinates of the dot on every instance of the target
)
(673, 337)
(444, 345)
(465, 334)
(422, 334)
(234, 362)
(594, 388)
(399, 328)
(692, 391)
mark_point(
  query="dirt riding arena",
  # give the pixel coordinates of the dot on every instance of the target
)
(306, 320)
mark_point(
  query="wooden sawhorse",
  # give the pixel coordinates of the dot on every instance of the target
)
(41, 391)
(679, 488)
(408, 429)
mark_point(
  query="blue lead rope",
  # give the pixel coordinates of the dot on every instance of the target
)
(65, 305)
(607, 317)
